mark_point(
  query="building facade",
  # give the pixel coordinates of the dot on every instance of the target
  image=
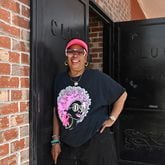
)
(15, 70)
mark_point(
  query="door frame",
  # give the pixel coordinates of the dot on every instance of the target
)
(34, 103)
(33, 83)
(108, 38)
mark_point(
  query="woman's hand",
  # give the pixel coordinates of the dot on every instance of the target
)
(107, 123)
(116, 110)
(56, 150)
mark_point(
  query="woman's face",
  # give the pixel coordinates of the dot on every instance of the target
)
(76, 57)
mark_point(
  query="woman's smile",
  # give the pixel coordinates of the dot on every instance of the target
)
(75, 61)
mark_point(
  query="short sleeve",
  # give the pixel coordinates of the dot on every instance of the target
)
(112, 90)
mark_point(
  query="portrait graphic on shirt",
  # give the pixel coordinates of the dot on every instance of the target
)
(73, 105)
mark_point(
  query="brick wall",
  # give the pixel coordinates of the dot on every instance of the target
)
(14, 82)
(117, 10)
(95, 41)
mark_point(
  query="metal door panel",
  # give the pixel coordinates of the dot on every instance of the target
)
(53, 24)
(140, 67)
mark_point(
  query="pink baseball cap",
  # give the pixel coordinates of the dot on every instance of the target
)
(77, 42)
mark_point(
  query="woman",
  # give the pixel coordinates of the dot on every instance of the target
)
(82, 119)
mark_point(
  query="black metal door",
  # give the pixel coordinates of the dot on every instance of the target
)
(53, 23)
(140, 67)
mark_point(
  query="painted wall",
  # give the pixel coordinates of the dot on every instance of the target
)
(152, 9)
(136, 11)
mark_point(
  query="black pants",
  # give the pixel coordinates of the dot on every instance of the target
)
(100, 150)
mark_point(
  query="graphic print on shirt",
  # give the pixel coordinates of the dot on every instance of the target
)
(73, 105)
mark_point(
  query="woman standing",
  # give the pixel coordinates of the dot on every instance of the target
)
(82, 120)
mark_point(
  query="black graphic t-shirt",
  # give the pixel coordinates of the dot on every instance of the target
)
(82, 109)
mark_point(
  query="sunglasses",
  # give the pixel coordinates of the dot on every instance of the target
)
(79, 52)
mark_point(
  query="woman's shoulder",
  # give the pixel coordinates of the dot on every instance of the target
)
(93, 71)
(97, 72)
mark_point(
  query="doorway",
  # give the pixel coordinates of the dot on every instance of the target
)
(100, 40)
(51, 30)
(140, 59)
(110, 51)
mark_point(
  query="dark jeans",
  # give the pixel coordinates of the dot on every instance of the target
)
(100, 150)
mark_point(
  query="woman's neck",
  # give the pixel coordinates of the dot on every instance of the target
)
(76, 73)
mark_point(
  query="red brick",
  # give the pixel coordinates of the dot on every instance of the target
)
(94, 55)
(25, 70)
(11, 5)
(24, 82)
(4, 68)
(10, 134)
(12, 31)
(101, 44)
(19, 119)
(25, 35)
(24, 106)
(25, 11)
(96, 60)
(4, 122)
(4, 56)
(5, 42)
(25, 95)
(11, 160)
(16, 70)
(21, 22)
(20, 70)
(4, 15)
(27, 142)
(14, 57)
(101, 54)
(4, 95)
(94, 29)
(100, 34)
(8, 108)
(1, 137)
(17, 145)
(26, 2)
(93, 35)
(24, 155)
(94, 23)
(96, 50)
(7, 82)
(20, 46)
(25, 58)
(24, 131)
(97, 40)
(16, 95)
(4, 149)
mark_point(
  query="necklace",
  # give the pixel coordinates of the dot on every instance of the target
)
(76, 82)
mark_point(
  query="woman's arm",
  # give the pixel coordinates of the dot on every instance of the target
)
(56, 148)
(116, 110)
(56, 129)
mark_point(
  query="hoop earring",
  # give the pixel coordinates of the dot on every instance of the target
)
(65, 63)
(86, 64)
